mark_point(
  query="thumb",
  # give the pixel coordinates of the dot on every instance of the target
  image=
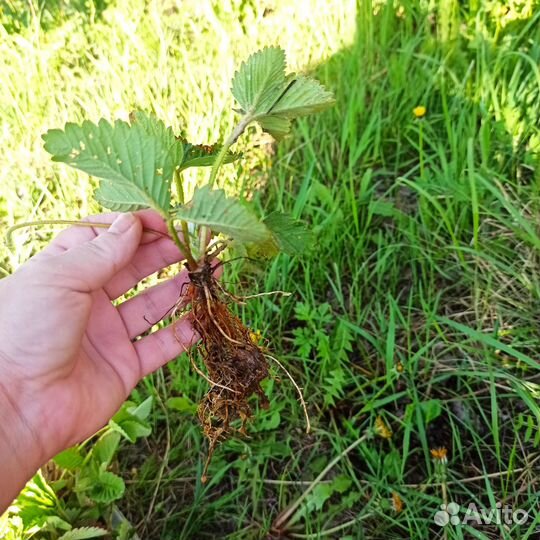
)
(92, 264)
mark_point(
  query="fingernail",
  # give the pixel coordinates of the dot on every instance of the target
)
(122, 223)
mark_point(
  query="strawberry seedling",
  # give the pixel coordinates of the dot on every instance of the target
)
(138, 163)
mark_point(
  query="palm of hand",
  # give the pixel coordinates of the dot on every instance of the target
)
(71, 354)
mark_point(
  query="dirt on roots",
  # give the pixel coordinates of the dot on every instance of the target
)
(235, 363)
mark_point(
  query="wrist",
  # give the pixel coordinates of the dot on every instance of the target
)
(21, 451)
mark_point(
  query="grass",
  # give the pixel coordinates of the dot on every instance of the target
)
(413, 323)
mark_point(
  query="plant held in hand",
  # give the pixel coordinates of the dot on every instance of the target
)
(138, 163)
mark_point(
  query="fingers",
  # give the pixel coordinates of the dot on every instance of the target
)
(76, 235)
(148, 259)
(90, 265)
(156, 249)
(147, 308)
(162, 346)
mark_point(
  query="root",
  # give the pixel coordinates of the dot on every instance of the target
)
(235, 364)
(207, 379)
(216, 323)
(300, 395)
(258, 295)
(242, 299)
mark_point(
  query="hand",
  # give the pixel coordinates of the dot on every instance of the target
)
(68, 356)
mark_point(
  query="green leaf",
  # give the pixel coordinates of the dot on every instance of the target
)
(201, 155)
(131, 429)
(37, 495)
(134, 162)
(105, 448)
(322, 492)
(303, 96)
(272, 98)
(290, 235)
(181, 404)
(52, 523)
(142, 411)
(82, 533)
(130, 421)
(341, 483)
(333, 386)
(124, 531)
(260, 81)
(106, 487)
(69, 459)
(268, 421)
(215, 210)
(277, 126)
(431, 409)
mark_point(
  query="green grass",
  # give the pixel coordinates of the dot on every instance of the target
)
(419, 303)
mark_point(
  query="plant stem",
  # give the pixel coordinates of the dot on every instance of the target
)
(13, 228)
(231, 139)
(185, 230)
(421, 145)
(183, 246)
(77, 223)
(329, 532)
(179, 189)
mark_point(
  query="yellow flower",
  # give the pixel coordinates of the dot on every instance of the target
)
(397, 502)
(255, 337)
(439, 454)
(382, 429)
(419, 112)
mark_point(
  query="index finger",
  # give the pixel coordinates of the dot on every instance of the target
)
(156, 250)
(154, 224)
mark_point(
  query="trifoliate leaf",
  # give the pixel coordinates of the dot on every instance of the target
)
(212, 208)
(202, 155)
(134, 162)
(82, 533)
(272, 98)
(290, 235)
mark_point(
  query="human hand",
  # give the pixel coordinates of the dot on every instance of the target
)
(68, 356)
